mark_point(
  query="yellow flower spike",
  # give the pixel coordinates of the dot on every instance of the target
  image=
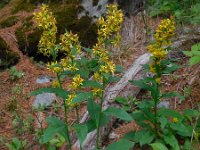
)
(47, 22)
(69, 41)
(76, 83)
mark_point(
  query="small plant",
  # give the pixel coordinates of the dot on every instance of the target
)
(16, 144)
(194, 54)
(15, 74)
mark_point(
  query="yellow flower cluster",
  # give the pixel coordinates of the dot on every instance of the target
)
(111, 25)
(69, 101)
(70, 44)
(76, 83)
(47, 22)
(55, 67)
(165, 32)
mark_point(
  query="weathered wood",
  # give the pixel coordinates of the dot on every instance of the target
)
(120, 88)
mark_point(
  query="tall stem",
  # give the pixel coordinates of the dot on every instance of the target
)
(77, 118)
(99, 119)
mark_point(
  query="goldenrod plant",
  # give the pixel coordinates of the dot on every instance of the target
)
(96, 63)
(161, 128)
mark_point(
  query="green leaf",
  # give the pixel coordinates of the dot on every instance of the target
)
(119, 113)
(163, 122)
(82, 97)
(122, 144)
(81, 131)
(181, 129)
(89, 50)
(172, 141)
(191, 112)
(196, 47)
(130, 135)
(170, 113)
(58, 91)
(146, 138)
(94, 110)
(172, 94)
(90, 83)
(158, 146)
(119, 69)
(121, 100)
(55, 126)
(188, 53)
(194, 60)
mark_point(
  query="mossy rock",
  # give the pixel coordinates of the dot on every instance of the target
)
(10, 21)
(7, 57)
(67, 20)
(3, 3)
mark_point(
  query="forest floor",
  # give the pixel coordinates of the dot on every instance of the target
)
(18, 105)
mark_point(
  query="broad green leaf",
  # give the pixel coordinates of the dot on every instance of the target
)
(94, 110)
(194, 60)
(90, 83)
(91, 125)
(122, 144)
(55, 126)
(181, 129)
(170, 113)
(146, 138)
(191, 113)
(81, 131)
(158, 146)
(58, 91)
(130, 135)
(188, 53)
(121, 100)
(84, 72)
(82, 97)
(172, 141)
(196, 47)
(119, 113)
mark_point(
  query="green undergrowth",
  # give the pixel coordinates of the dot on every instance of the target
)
(7, 57)
(10, 21)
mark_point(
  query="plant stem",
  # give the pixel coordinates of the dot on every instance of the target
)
(77, 118)
(99, 119)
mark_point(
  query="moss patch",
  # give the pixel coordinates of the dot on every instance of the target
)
(10, 21)
(7, 57)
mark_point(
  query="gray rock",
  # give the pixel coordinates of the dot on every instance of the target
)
(113, 136)
(163, 104)
(43, 79)
(44, 99)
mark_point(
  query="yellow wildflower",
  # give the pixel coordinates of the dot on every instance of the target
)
(175, 120)
(97, 91)
(158, 80)
(69, 100)
(76, 83)
(54, 66)
(55, 83)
